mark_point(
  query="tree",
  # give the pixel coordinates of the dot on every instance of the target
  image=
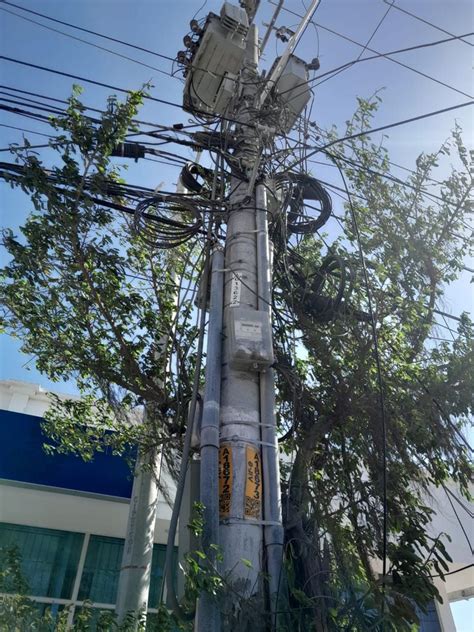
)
(371, 409)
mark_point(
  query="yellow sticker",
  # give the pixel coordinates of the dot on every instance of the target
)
(225, 480)
(253, 484)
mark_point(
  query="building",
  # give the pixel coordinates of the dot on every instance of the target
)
(66, 517)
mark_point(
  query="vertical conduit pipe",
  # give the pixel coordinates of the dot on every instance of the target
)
(273, 531)
(208, 615)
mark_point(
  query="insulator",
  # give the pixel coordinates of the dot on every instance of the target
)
(181, 57)
(188, 41)
(195, 28)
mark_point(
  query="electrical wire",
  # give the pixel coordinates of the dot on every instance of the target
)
(22, 129)
(398, 51)
(111, 87)
(463, 529)
(329, 74)
(458, 570)
(83, 41)
(380, 387)
(395, 61)
(178, 128)
(417, 17)
(79, 28)
(383, 128)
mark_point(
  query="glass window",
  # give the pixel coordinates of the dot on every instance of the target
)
(102, 567)
(101, 570)
(49, 558)
(157, 566)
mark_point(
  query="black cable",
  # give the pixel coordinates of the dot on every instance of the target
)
(92, 81)
(301, 186)
(395, 61)
(79, 39)
(111, 87)
(460, 503)
(79, 28)
(380, 386)
(417, 17)
(390, 162)
(458, 570)
(22, 129)
(459, 521)
(177, 129)
(374, 32)
(386, 176)
(382, 128)
(381, 55)
(12, 146)
(329, 74)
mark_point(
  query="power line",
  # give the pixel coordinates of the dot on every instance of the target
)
(459, 520)
(392, 52)
(458, 570)
(22, 129)
(79, 78)
(172, 128)
(379, 24)
(111, 87)
(382, 128)
(372, 50)
(79, 39)
(79, 28)
(386, 176)
(417, 17)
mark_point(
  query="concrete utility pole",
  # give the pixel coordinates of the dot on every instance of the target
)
(241, 528)
(221, 70)
(135, 571)
(250, 509)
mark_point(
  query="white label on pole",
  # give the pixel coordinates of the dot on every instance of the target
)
(235, 289)
(248, 330)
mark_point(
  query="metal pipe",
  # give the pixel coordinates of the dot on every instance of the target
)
(292, 43)
(208, 614)
(276, 13)
(273, 531)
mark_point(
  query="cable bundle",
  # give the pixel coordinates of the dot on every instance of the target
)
(299, 187)
(155, 221)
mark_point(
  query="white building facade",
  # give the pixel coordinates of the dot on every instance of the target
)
(66, 518)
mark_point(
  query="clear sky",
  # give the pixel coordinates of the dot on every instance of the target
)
(159, 25)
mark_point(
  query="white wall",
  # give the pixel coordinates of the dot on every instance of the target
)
(83, 513)
(459, 584)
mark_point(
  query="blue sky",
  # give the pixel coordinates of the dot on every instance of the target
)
(160, 25)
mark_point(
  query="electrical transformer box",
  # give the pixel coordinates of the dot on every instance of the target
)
(217, 60)
(250, 339)
(292, 90)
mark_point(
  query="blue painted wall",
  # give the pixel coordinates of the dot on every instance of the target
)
(23, 459)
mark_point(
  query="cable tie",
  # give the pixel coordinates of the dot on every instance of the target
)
(265, 523)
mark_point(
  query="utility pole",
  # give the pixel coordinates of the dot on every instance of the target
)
(222, 78)
(135, 570)
(241, 528)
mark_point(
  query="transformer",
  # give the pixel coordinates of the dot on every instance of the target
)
(291, 91)
(217, 58)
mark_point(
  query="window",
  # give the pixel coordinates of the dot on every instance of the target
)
(101, 571)
(49, 561)
(49, 558)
